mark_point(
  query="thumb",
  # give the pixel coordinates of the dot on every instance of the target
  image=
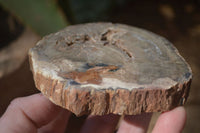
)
(27, 114)
(171, 122)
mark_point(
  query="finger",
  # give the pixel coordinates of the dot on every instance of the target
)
(171, 122)
(25, 115)
(58, 125)
(100, 124)
(135, 123)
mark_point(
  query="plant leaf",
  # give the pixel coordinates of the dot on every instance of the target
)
(43, 16)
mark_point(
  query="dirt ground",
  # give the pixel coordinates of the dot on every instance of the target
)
(178, 22)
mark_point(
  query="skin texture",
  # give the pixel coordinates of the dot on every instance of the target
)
(35, 113)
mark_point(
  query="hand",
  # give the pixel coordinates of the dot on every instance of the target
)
(35, 113)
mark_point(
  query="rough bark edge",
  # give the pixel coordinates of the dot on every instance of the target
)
(120, 101)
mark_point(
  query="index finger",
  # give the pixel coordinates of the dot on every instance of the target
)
(27, 114)
(135, 123)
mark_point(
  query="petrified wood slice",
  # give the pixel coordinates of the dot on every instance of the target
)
(104, 68)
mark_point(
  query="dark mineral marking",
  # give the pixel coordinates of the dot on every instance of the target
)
(109, 39)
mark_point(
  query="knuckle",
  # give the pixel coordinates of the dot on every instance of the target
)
(15, 103)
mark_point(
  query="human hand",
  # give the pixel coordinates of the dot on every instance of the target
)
(36, 113)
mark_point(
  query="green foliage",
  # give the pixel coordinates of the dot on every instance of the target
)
(42, 15)
(80, 11)
(90, 10)
(45, 16)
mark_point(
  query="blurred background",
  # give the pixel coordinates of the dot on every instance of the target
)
(24, 22)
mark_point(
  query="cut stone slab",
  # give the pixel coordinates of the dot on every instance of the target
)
(102, 68)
